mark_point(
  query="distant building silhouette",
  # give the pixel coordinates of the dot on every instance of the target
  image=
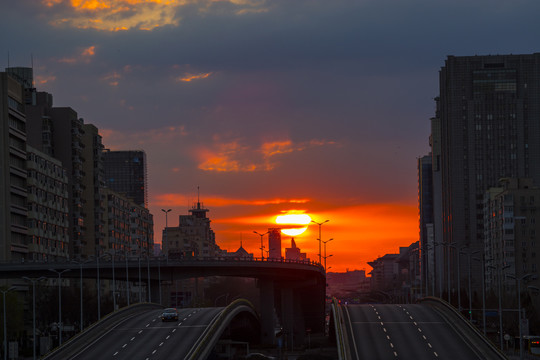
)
(192, 237)
(294, 252)
(274, 243)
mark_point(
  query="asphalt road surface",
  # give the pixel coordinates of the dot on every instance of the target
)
(416, 332)
(145, 336)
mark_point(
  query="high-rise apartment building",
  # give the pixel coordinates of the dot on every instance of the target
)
(511, 225)
(125, 173)
(47, 203)
(13, 192)
(94, 202)
(487, 127)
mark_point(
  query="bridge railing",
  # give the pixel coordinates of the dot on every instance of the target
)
(465, 329)
(214, 330)
(96, 330)
(339, 323)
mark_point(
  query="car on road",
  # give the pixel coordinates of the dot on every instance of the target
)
(169, 314)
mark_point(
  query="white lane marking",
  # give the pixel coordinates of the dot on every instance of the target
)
(140, 332)
(173, 330)
(437, 355)
(424, 336)
(161, 343)
(123, 346)
(116, 353)
(153, 352)
(395, 354)
(352, 332)
(147, 325)
(428, 344)
(133, 338)
(384, 329)
(168, 336)
(419, 329)
(382, 324)
(391, 345)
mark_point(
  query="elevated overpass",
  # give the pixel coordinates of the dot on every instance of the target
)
(431, 329)
(137, 332)
(294, 289)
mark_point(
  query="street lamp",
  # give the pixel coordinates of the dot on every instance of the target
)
(324, 242)
(518, 281)
(469, 255)
(326, 257)
(59, 302)
(33, 281)
(482, 260)
(5, 329)
(320, 239)
(262, 245)
(166, 226)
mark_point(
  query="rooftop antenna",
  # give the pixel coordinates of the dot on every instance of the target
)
(32, 64)
(198, 198)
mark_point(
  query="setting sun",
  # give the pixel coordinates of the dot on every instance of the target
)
(291, 223)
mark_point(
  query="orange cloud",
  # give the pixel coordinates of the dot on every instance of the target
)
(123, 15)
(85, 56)
(233, 157)
(191, 77)
(40, 79)
(112, 78)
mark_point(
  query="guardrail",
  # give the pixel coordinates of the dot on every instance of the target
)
(341, 338)
(213, 331)
(467, 331)
(96, 330)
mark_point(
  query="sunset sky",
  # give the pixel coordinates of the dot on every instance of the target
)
(319, 107)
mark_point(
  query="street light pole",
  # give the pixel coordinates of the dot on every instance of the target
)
(320, 238)
(5, 327)
(518, 281)
(33, 281)
(262, 245)
(59, 302)
(166, 226)
(327, 241)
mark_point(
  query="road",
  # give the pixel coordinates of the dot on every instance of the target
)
(145, 336)
(402, 332)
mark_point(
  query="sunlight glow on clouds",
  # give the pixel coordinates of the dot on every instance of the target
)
(84, 56)
(173, 200)
(122, 15)
(191, 77)
(233, 157)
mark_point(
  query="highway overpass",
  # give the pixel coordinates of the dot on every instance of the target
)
(431, 329)
(137, 332)
(295, 290)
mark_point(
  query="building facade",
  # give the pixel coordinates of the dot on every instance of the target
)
(511, 224)
(13, 190)
(193, 237)
(125, 173)
(48, 212)
(486, 128)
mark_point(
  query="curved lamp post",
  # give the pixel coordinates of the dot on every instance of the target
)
(324, 242)
(262, 245)
(320, 239)
(33, 281)
(5, 329)
(59, 302)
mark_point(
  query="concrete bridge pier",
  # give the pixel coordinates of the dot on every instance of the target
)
(266, 290)
(292, 317)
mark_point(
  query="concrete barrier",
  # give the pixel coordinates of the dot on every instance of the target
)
(96, 330)
(463, 327)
